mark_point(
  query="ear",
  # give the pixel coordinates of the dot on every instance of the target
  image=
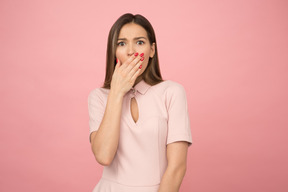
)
(152, 50)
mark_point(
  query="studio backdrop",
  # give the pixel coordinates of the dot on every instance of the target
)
(230, 56)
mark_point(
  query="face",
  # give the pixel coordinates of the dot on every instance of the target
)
(133, 38)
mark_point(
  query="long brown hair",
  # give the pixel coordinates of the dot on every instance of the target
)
(152, 74)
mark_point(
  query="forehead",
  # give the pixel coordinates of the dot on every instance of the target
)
(131, 30)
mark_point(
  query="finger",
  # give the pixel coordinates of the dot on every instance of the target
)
(133, 64)
(129, 60)
(136, 74)
(136, 67)
(118, 64)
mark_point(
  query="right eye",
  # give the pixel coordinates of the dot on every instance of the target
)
(121, 43)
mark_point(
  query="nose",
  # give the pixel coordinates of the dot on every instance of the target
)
(131, 49)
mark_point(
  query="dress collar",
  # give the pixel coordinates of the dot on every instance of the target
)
(141, 87)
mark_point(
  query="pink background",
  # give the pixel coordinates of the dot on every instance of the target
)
(231, 56)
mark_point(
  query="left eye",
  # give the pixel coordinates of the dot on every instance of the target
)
(140, 42)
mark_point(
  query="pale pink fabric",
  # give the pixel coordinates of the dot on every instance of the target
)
(140, 161)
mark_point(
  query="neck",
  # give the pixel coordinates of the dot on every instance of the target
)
(137, 80)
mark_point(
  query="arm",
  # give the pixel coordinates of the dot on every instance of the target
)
(174, 174)
(104, 141)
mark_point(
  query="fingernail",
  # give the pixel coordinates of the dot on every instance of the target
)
(140, 66)
(136, 54)
(142, 54)
(142, 59)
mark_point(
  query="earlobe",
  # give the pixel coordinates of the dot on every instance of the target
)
(152, 50)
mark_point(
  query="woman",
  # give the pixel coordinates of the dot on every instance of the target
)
(139, 123)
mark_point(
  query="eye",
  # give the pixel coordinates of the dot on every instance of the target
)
(140, 42)
(121, 43)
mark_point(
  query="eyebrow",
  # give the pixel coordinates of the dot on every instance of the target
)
(136, 38)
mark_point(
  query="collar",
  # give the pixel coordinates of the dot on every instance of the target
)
(141, 87)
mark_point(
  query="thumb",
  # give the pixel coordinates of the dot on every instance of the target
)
(117, 64)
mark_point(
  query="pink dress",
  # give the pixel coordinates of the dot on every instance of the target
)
(141, 161)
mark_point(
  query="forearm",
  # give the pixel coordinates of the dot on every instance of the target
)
(172, 179)
(105, 141)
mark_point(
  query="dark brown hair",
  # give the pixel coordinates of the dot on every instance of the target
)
(152, 74)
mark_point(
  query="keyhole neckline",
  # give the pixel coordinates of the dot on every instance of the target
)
(134, 110)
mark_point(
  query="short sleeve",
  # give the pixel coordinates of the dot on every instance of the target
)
(178, 117)
(96, 108)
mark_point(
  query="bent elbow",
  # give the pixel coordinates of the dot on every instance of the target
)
(103, 156)
(104, 161)
(179, 170)
(182, 168)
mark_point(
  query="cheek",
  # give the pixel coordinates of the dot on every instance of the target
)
(146, 56)
(147, 53)
(118, 52)
(145, 63)
(120, 55)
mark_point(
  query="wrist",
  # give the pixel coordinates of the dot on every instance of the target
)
(115, 95)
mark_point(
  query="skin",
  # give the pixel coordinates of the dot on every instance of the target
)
(176, 169)
(104, 142)
(133, 39)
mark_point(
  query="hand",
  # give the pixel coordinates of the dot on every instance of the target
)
(125, 74)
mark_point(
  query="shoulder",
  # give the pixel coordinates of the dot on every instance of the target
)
(171, 93)
(98, 94)
(169, 87)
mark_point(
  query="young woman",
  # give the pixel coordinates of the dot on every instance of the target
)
(139, 123)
